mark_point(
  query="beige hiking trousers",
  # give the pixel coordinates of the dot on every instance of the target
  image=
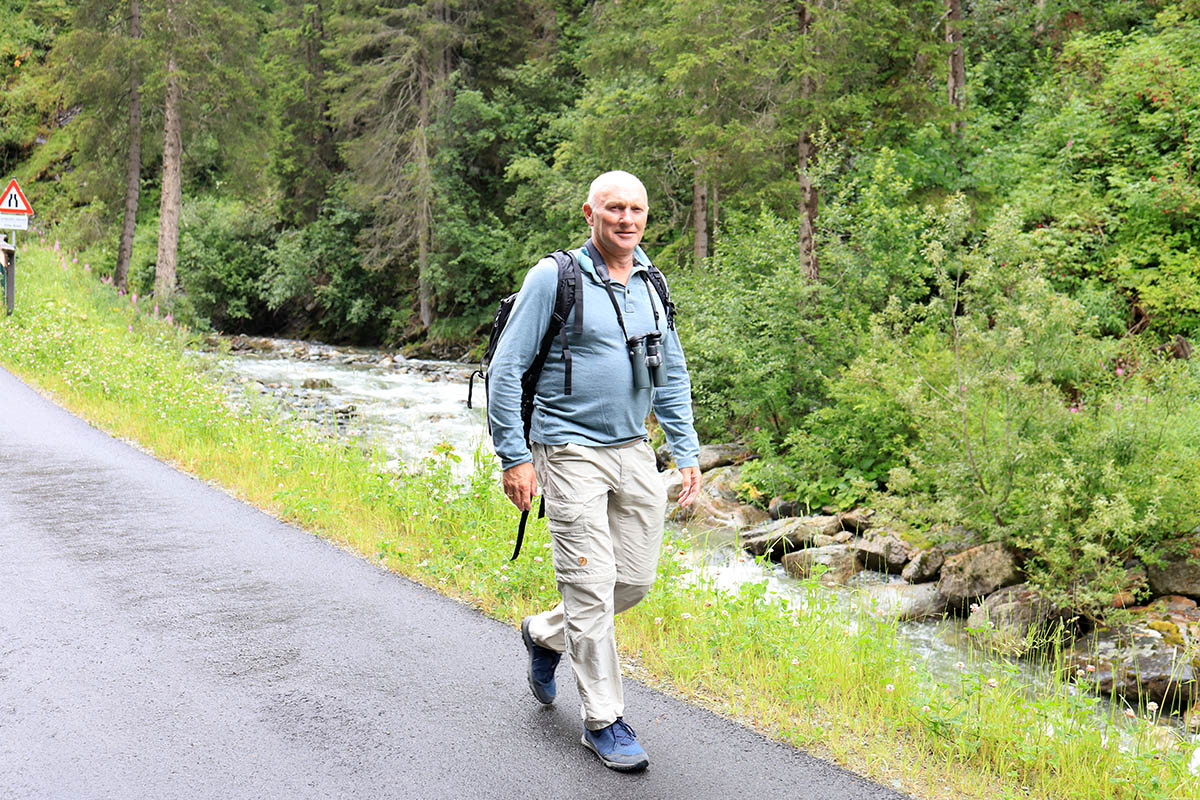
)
(604, 509)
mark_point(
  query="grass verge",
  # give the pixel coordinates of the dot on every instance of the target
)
(848, 689)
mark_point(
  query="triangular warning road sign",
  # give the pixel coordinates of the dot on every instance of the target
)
(13, 200)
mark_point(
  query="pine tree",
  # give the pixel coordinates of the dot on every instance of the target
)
(391, 92)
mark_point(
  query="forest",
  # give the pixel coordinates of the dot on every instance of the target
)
(938, 256)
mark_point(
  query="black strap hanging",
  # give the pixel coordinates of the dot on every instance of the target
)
(521, 526)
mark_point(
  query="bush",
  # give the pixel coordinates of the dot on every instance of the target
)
(1081, 452)
(223, 249)
(316, 277)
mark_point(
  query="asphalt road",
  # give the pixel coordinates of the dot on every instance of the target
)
(159, 639)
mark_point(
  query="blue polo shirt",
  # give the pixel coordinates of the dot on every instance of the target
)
(604, 408)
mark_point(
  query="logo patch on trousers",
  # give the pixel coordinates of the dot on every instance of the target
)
(583, 561)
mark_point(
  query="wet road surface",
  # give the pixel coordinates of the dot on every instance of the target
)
(159, 639)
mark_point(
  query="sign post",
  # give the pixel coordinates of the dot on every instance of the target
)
(15, 212)
(8, 263)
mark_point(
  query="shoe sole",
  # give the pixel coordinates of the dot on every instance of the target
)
(615, 765)
(528, 641)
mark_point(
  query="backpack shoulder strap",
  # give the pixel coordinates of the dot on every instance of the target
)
(655, 276)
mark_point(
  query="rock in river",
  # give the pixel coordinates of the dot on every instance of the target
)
(841, 563)
(904, 601)
(1154, 657)
(976, 573)
(1016, 619)
(784, 535)
(883, 552)
(1180, 574)
(924, 566)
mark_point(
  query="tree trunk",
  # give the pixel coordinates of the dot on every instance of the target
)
(716, 208)
(172, 186)
(804, 155)
(424, 204)
(699, 219)
(808, 220)
(956, 79)
(133, 169)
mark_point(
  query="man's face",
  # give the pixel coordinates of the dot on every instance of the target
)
(618, 219)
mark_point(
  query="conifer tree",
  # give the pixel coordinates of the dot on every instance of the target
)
(395, 62)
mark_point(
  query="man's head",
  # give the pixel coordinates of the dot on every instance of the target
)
(616, 212)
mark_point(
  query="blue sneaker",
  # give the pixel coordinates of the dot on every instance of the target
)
(617, 746)
(542, 663)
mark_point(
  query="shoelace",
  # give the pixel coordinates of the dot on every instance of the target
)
(622, 733)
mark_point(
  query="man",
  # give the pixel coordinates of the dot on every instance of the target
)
(603, 496)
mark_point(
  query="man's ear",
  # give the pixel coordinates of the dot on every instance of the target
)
(587, 214)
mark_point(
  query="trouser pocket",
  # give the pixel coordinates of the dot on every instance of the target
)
(582, 551)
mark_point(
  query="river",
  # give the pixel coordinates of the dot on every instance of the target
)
(406, 407)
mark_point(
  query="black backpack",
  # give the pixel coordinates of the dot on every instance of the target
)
(568, 295)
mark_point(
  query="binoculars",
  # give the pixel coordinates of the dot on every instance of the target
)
(645, 354)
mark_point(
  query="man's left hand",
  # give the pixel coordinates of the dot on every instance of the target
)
(690, 487)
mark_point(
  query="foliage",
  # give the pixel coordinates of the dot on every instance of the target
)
(222, 246)
(1079, 452)
(315, 273)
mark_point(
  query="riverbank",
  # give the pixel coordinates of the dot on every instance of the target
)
(954, 595)
(804, 673)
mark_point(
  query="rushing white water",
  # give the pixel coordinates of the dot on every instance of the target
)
(404, 410)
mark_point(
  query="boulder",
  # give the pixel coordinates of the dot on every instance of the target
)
(976, 573)
(822, 540)
(1152, 657)
(781, 509)
(715, 512)
(720, 455)
(673, 482)
(840, 561)
(781, 536)
(924, 566)
(904, 601)
(712, 456)
(317, 383)
(1180, 574)
(856, 521)
(883, 552)
(1016, 618)
(722, 483)
(717, 505)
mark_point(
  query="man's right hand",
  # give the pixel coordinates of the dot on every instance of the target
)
(520, 485)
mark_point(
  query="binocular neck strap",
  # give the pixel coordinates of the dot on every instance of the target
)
(602, 271)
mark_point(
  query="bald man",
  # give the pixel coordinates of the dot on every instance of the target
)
(589, 452)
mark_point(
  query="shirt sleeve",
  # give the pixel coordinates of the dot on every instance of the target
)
(527, 323)
(673, 405)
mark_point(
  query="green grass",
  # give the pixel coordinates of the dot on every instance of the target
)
(849, 690)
